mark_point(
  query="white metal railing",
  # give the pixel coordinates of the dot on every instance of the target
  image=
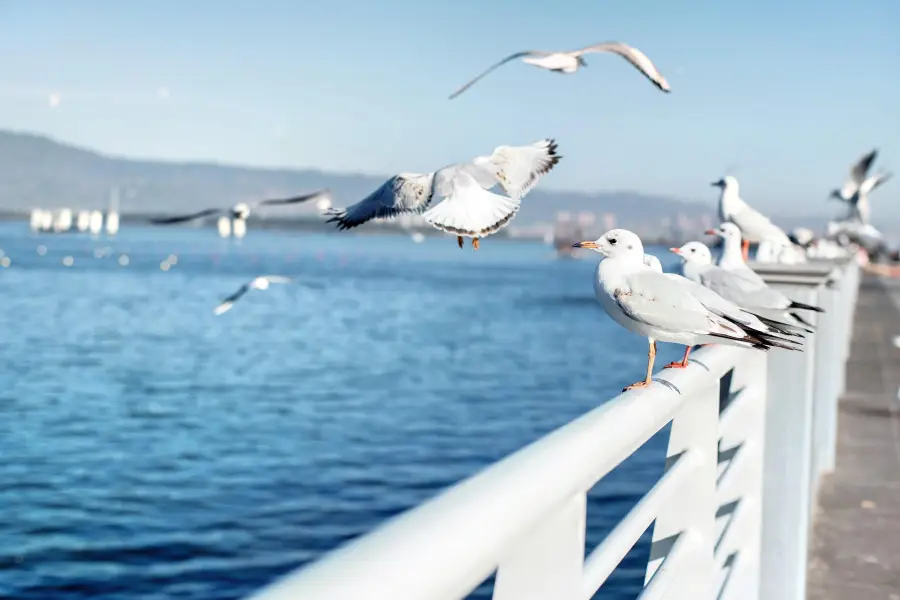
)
(750, 434)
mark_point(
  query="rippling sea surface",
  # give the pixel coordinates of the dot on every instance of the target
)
(151, 449)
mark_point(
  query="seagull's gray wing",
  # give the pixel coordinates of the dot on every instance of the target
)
(495, 66)
(190, 217)
(873, 182)
(858, 174)
(405, 193)
(756, 227)
(278, 278)
(741, 290)
(518, 168)
(294, 199)
(227, 303)
(638, 60)
(861, 168)
(657, 300)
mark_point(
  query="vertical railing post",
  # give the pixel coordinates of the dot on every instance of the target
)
(749, 380)
(828, 364)
(692, 510)
(788, 465)
(547, 563)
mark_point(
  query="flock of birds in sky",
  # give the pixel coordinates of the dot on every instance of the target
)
(725, 303)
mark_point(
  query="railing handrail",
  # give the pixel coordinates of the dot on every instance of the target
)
(469, 526)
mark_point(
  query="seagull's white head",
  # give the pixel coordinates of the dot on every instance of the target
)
(616, 243)
(695, 252)
(727, 231)
(727, 183)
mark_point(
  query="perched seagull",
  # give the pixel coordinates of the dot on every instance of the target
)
(718, 305)
(751, 294)
(655, 306)
(754, 226)
(571, 60)
(469, 209)
(242, 209)
(259, 283)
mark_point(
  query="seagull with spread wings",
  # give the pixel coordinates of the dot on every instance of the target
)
(242, 209)
(571, 60)
(855, 191)
(469, 208)
(258, 283)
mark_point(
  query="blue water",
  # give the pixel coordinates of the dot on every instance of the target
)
(153, 450)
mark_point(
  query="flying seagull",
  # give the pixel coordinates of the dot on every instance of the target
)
(661, 308)
(858, 174)
(242, 209)
(468, 209)
(571, 60)
(259, 283)
(856, 188)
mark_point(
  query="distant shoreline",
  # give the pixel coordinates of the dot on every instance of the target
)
(316, 224)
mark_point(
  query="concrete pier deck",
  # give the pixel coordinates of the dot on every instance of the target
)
(855, 546)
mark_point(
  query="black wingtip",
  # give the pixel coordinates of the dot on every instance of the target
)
(801, 306)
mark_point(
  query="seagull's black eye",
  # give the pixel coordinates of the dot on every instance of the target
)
(613, 241)
(693, 249)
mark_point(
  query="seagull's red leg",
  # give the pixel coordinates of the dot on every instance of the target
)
(684, 361)
(745, 250)
(459, 241)
(651, 356)
(475, 243)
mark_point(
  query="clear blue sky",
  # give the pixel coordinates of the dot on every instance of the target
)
(784, 94)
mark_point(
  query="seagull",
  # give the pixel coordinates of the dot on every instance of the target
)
(242, 209)
(258, 283)
(653, 305)
(754, 226)
(469, 209)
(856, 188)
(858, 173)
(571, 60)
(752, 295)
(718, 305)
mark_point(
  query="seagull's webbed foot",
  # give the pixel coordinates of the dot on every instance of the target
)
(459, 241)
(683, 363)
(676, 365)
(638, 385)
(475, 243)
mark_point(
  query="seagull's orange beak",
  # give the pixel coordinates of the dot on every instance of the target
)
(675, 250)
(711, 232)
(585, 245)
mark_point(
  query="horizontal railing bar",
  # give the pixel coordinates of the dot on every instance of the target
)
(469, 527)
(665, 575)
(604, 559)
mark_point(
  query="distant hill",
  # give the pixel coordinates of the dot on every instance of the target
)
(38, 171)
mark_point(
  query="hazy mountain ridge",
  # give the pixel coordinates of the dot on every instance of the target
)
(38, 171)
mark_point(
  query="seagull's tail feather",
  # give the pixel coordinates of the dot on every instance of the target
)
(801, 320)
(801, 306)
(756, 339)
(474, 213)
